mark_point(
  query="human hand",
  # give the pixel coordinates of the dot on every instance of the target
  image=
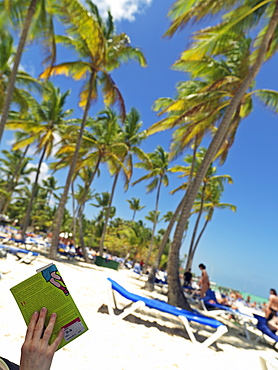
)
(36, 353)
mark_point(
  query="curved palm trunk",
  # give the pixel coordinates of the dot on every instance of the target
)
(192, 243)
(33, 194)
(88, 185)
(175, 293)
(154, 224)
(197, 242)
(61, 207)
(10, 88)
(101, 244)
(151, 278)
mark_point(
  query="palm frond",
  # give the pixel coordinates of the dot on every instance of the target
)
(269, 98)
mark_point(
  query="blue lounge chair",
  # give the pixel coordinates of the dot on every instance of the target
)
(23, 255)
(185, 316)
(217, 309)
(264, 328)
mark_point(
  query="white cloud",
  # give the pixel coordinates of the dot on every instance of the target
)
(122, 9)
(44, 172)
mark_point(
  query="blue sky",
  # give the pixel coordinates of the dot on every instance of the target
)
(239, 249)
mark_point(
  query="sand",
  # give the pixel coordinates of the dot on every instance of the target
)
(145, 340)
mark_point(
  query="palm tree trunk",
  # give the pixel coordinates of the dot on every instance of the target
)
(175, 293)
(192, 243)
(10, 88)
(73, 212)
(33, 194)
(89, 183)
(101, 244)
(197, 242)
(154, 224)
(81, 238)
(134, 213)
(61, 207)
(151, 278)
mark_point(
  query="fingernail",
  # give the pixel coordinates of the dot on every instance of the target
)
(53, 314)
(43, 309)
(36, 313)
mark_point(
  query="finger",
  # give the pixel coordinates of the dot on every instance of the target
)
(48, 331)
(57, 340)
(40, 324)
(31, 326)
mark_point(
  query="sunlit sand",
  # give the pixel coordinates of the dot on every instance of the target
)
(145, 340)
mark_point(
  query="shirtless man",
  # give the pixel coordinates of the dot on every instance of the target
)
(271, 310)
(204, 281)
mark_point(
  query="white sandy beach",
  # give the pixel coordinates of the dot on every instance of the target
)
(149, 340)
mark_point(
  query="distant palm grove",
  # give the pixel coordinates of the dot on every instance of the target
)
(220, 67)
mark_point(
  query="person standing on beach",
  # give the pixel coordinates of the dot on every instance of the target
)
(271, 310)
(204, 281)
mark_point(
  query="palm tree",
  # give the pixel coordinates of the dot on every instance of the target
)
(50, 185)
(102, 50)
(208, 42)
(47, 119)
(208, 207)
(23, 79)
(15, 172)
(134, 205)
(43, 26)
(208, 198)
(157, 165)
(85, 174)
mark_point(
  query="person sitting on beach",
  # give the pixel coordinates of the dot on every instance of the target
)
(36, 353)
(204, 281)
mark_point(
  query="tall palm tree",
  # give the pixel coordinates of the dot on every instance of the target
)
(209, 41)
(101, 50)
(208, 207)
(157, 165)
(84, 174)
(130, 140)
(134, 205)
(210, 193)
(47, 119)
(36, 21)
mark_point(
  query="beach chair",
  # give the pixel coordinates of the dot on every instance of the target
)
(216, 309)
(264, 328)
(185, 316)
(22, 255)
(268, 363)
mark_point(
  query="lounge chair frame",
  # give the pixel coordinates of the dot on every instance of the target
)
(221, 310)
(28, 256)
(136, 303)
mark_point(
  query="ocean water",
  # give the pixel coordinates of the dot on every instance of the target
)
(253, 297)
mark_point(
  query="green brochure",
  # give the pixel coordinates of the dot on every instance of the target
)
(47, 289)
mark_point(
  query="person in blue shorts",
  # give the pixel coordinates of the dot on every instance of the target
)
(52, 275)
